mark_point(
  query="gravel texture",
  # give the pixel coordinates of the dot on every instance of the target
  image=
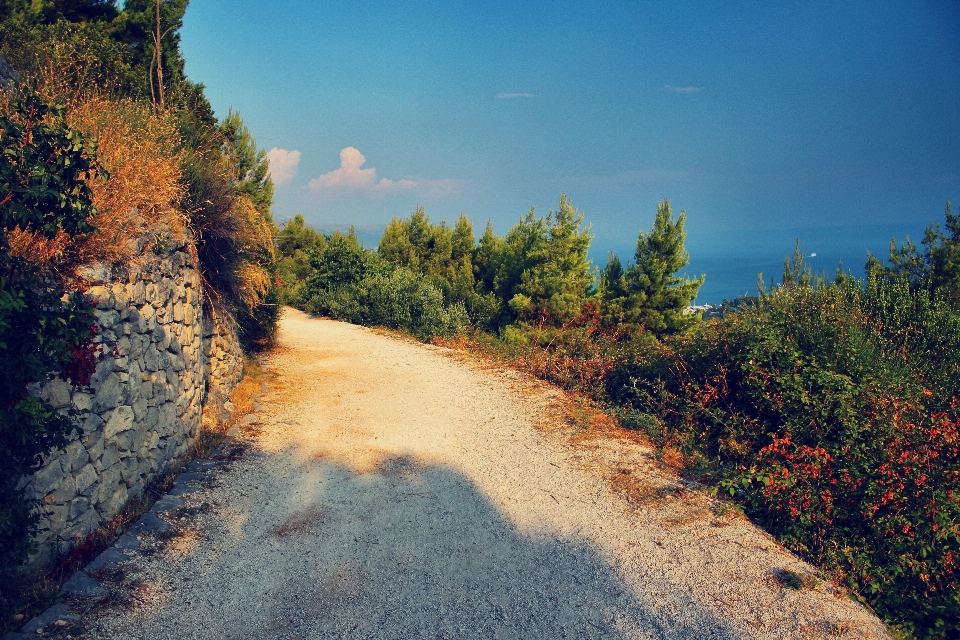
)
(396, 490)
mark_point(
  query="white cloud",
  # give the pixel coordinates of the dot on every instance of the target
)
(510, 96)
(351, 177)
(682, 89)
(283, 165)
(387, 185)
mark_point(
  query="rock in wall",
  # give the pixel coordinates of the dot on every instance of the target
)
(143, 407)
(224, 357)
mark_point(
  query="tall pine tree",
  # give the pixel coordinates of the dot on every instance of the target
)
(648, 295)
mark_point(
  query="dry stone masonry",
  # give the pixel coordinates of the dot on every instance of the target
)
(143, 407)
(224, 362)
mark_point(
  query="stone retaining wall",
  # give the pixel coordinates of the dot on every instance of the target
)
(224, 357)
(143, 407)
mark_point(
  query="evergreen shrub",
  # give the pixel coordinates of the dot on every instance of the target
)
(353, 284)
(45, 329)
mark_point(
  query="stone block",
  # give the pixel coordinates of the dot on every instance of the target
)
(162, 338)
(149, 462)
(136, 487)
(85, 478)
(55, 517)
(64, 492)
(152, 292)
(97, 273)
(107, 318)
(150, 523)
(168, 418)
(78, 507)
(138, 295)
(49, 618)
(140, 409)
(81, 585)
(77, 456)
(82, 401)
(168, 503)
(47, 478)
(127, 542)
(93, 441)
(123, 346)
(120, 420)
(109, 483)
(115, 502)
(126, 442)
(138, 322)
(56, 393)
(120, 296)
(109, 559)
(102, 295)
(183, 489)
(109, 394)
(130, 470)
(197, 476)
(152, 358)
(110, 456)
(91, 426)
(173, 385)
(121, 364)
(152, 419)
(189, 314)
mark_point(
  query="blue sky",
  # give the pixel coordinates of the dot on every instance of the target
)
(764, 121)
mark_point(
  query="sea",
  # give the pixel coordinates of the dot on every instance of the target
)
(732, 261)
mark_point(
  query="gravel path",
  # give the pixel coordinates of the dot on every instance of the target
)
(397, 490)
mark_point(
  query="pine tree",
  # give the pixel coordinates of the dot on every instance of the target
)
(936, 269)
(649, 295)
(463, 284)
(249, 166)
(442, 254)
(545, 270)
(487, 259)
(395, 245)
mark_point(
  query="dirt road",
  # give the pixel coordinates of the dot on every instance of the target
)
(396, 490)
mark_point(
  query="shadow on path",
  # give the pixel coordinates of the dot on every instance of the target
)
(411, 551)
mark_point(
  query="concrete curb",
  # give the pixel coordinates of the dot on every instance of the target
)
(83, 586)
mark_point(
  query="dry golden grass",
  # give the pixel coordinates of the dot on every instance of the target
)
(38, 250)
(255, 238)
(140, 151)
(249, 390)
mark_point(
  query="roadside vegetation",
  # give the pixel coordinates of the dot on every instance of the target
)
(827, 409)
(109, 153)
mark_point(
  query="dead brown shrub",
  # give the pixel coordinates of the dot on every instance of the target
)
(140, 150)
